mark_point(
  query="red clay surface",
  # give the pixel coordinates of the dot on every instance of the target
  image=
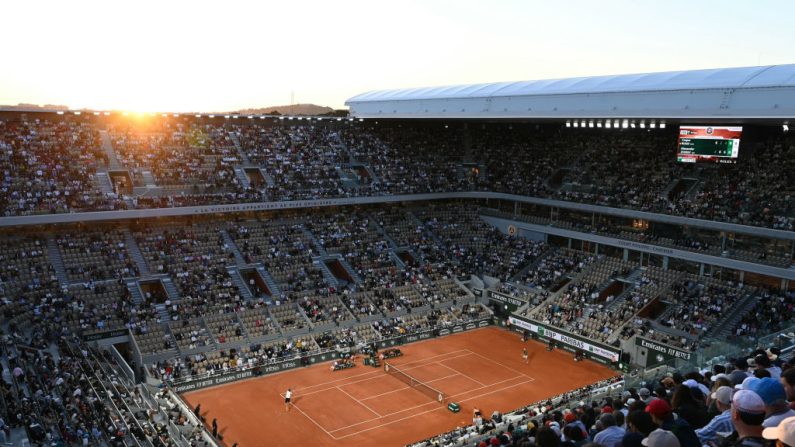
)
(365, 406)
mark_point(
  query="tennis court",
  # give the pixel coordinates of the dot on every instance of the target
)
(372, 406)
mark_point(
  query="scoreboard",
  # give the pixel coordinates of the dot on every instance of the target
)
(710, 144)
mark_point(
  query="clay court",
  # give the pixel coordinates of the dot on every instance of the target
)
(365, 406)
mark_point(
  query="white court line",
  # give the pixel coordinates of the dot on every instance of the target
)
(504, 366)
(459, 372)
(360, 402)
(406, 387)
(313, 421)
(429, 403)
(376, 371)
(368, 378)
(427, 411)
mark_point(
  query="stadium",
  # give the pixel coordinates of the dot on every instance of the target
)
(573, 259)
(166, 278)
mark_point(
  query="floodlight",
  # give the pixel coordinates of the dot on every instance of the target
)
(211, 116)
(607, 124)
(590, 123)
(77, 113)
(576, 124)
(615, 124)
(599, 124)
(785, 127)
(568, 123)
(624, 124)
(198, 115)
(643, 124)
(60, 112)
(662, 125)
(96, 113)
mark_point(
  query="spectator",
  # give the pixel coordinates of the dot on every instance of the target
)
(661, 438)
(611, 434)
(748, 414)
(663, 417)
(722, 423)
(775, 398)
(784, 432)
(639, 425)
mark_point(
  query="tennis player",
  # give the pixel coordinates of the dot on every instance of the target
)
(287, 396)
(524, 354)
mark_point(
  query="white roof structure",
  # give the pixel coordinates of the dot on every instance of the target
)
(725, 93)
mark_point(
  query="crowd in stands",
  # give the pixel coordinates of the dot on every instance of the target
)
(409, 261)
(746, 402)
(55, 163)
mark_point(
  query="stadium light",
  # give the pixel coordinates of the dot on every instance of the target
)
(211, 116)
(568, 123)
(176, 115)
(251, 117)
(361, 120)
(607, 124)
(96, 113)
(262, 117)
(599, 124)
(60, 112)
(643, 124)
(339, 119)
(624, 124)
(652, 125)
(234, 116)
(582, 124)
(615, 124)
(662, 125)
(576, 124)
(632, 124)
(590, 123)
(77, 113)
(107, 113)
(198, 115)
(785, 127)
(226, 117)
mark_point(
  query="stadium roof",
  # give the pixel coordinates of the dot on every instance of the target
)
(747, 92)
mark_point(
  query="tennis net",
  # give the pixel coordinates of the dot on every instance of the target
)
(413, 382)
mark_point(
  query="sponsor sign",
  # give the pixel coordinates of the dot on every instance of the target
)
(477, 291)
(503, 298)
(102, 335)
(660, 353)
(595, 351)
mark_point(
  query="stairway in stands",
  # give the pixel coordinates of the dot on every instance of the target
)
(135, 291)
(107, 147)
(231, 246)
(103, 183)
(242, 153)
(54, 254)
(242, 177)
(135, 253)
(238, 280)
(381, 231)
(272, 285)
(320, 249)
(722, 329)
(149, 179)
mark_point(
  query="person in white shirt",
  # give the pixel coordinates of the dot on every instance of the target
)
(287, 396)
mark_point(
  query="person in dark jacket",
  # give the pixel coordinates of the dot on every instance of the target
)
(663, 417)
(693, 410)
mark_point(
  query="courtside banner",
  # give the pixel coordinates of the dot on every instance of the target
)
(568, 339)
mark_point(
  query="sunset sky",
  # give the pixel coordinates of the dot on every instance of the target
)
(175, 56)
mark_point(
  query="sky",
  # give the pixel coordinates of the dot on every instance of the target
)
(211, 56)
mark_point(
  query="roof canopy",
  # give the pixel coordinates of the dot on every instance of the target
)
(747, 92)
